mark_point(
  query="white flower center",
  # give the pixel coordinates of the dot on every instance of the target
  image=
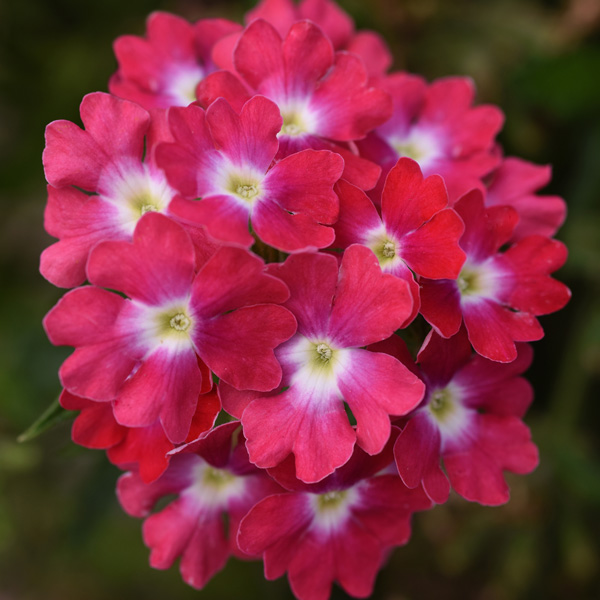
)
(332, 509)
(215, 487)
(297, 118)
(419, 145)
(135, 189)
(481, 280)
(170, 326)
(242, 184)
(386, 249)
(314, 365)
(183, 83)
(448, 412)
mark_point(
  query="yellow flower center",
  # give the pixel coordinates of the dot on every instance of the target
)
(389, 250)
(217, 478)
(324, 352)
(148, 208)
(179, 322)
(330, 500)
(441, 404)
(384, 248)
(246, 191)
(293, 123)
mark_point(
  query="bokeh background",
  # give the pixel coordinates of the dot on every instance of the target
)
(62, 533)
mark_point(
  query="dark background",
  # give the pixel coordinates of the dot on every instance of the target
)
(62, 533)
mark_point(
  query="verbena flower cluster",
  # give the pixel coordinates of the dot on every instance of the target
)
(264, 216)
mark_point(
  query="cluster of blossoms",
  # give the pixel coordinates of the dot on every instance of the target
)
(263, 216)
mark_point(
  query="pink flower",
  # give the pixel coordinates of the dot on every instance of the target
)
(164, 68)
(471, 419)
(323, 96)
(144, 449)
(335, 23)
(339, 311)
(106, 159)
(225, 160)
(212, 479)
(144, 353)
(497, 294)
(514, 183)
(437, 126)
(339, 529)
(416, 232)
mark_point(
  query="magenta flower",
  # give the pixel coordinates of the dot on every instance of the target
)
(437, 126)
(416, 233)
(143, 353)
(514, 183)
(164, 68)
(212, 478)
(497, 294)
(339, 311)
(471, 419)
(225, 160)
(323, 96)
(336, 530)
(335, 23)
(109, 165)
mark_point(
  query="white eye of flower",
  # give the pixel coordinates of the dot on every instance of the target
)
(477, 280)
(385, 247)
(135, 190)
(182, 86)
(422, 146)
(297, 117)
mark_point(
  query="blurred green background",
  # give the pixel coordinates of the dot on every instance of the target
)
(62, 534)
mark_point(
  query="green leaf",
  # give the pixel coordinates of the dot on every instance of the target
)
(52, 416)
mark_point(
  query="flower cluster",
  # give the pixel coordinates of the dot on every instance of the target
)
(263, 215)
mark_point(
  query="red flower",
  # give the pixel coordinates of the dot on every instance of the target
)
(212, 478)
(437, 126)
(339, 311)
(144, 449)
(143, 353)
(514, 183)
(164, 68)
(225, 160)
(110, 165)
(497, 294)
(416, 232)
(336, 530)
(335, 23)
(471, 419)
(323, 96)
